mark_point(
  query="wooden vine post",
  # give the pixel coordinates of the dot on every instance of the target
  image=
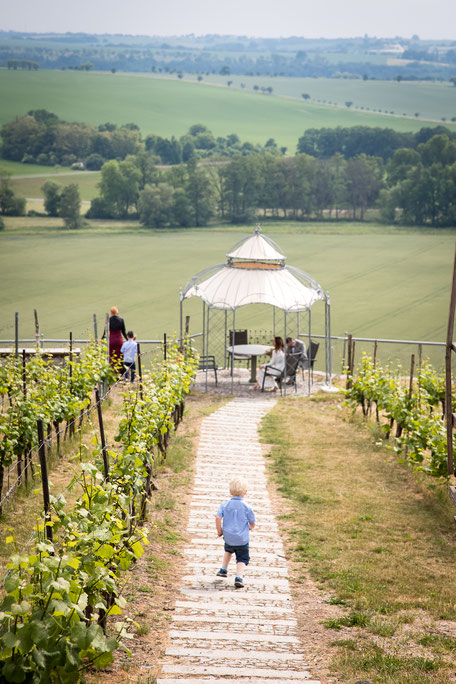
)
(140, 373)
(450, 416)
(44, 479)
(102, 435)
(350, 361)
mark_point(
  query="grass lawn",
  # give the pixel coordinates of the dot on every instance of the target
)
(169, 107)
(383, 282)
(378, 538)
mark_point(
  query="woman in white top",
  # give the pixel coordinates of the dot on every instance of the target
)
(276, 366)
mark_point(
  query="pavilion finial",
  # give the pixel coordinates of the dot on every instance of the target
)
(257, 230)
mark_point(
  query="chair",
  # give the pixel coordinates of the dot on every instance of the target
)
(288, 373)
(208, 363)
(307, 363)
(240, 337)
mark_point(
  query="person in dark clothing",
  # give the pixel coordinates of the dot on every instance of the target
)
(116, 330)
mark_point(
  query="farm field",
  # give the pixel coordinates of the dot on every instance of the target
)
(431, 101)
(30, 186)
(169, 107)
(18, 169)
(383, 282)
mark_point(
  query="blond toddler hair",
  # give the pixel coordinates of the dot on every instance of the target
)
(238, 487)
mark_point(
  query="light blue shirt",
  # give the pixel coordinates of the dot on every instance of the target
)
(128, 350)
(236, 516)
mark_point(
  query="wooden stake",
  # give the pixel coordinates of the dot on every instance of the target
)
(44, 478)
(102, 435)
(37, 329)
(448, 376)
(140, 372)
(16, 333)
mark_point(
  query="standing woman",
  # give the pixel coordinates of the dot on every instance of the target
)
(275, 365)
(116, 330)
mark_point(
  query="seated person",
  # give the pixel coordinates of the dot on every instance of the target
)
(277, 362)
(296, 347)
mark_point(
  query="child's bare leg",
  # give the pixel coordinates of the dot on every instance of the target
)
(226, 559)
(240, 568)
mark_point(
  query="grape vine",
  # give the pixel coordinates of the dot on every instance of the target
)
(59, 595)
(412, 413)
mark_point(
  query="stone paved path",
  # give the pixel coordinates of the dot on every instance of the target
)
(220, 633)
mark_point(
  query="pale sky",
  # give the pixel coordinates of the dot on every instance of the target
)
(269, 18)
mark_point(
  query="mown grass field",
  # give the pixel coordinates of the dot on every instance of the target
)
(169, 107)
(383, 282)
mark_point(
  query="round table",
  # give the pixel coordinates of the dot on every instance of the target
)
(252, 351)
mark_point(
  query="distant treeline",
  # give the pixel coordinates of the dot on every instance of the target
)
(41, 137)
(22, 64)
(337, 172)
(231, 55)
(416, 186)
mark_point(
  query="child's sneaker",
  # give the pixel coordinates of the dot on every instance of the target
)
(238, 582)
(222, 572)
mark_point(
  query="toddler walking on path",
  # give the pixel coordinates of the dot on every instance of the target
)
(129, 351)
(238, 519)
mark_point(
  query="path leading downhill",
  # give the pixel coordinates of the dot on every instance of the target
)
(220, 633)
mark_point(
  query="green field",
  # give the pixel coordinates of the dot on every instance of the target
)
(30, 186)
(169, 107)
(383, 282)
(431, 101)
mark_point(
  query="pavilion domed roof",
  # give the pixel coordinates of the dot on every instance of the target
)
(256, 247)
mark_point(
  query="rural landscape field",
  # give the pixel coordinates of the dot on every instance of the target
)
(383, 282)
(138, 146)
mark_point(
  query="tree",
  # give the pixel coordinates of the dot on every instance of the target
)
(453, 80)
(52, 195)
(94, 162)
(23, 136)
(242, 180)
(155, 205)
(119, 186)
(70, 206)
(199, 193)
(305, 96)
(198, 128)
(364, 181)
(10, 205)
(348, 103)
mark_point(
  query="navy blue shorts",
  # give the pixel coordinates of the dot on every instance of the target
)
(242, 552)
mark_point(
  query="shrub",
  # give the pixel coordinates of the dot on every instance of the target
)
(94, 162)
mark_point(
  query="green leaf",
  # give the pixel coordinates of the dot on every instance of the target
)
(13, 672)
(10, 640)
(39, 658)
(104, 659)
(105, 551)
(137, 549)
